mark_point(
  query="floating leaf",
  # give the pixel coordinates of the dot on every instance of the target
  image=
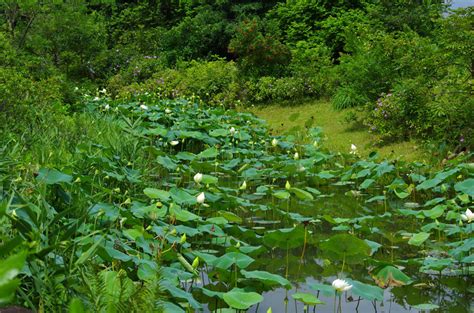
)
(306, 298)
(425, 306)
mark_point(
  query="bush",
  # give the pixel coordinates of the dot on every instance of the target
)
(258, 54)
(25, 103)
(444, 113)
(211, 81)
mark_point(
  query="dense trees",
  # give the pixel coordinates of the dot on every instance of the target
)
(354, 51)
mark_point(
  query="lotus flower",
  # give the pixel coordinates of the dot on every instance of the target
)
(201, 198)
(232, 131)
(341, 285)
(468, 216)
(274, 142)
(174, 142)
(198, 178)
(167, 111)
(353, 149)
(296, 156)
(107, 107)
(143, 107)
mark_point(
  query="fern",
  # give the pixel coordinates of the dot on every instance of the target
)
(115, 292)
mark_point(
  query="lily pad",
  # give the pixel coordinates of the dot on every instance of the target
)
(306, 298)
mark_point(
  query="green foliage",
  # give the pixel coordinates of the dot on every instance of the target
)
(259, 54)
(212, 81)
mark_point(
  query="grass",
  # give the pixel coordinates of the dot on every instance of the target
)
(339, 134)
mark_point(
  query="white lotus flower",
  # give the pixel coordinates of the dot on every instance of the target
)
(468, 216)
(167, 111)
(174, 142)
(274, 142)
(198, 178)
(353, 149)
(232, 131)
(143, 107)
(296, 156)
(103, 91)
(201, 198)
(107, 107)
(96, 99)
(341, 285)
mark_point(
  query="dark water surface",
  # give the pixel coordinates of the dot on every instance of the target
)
(452, 293)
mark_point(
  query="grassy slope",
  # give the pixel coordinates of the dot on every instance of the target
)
(339, 134)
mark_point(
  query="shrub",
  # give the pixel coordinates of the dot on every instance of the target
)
(211, 81)
(258, 54)
(443, 113)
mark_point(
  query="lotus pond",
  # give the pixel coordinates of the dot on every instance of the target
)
(199, 209)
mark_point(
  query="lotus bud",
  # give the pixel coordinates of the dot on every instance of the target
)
(232, 131)
(195, 263)
(287, 185)
(117, 189)
(468, 216)
(275, 142)
(296, 156)
(183, 239)
(353, 149)
(198, 178)
(167, 111)
(173, 232)
(238, 244)
(243, 186)
(201, 198)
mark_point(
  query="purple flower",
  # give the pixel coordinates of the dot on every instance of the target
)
(461, 139)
